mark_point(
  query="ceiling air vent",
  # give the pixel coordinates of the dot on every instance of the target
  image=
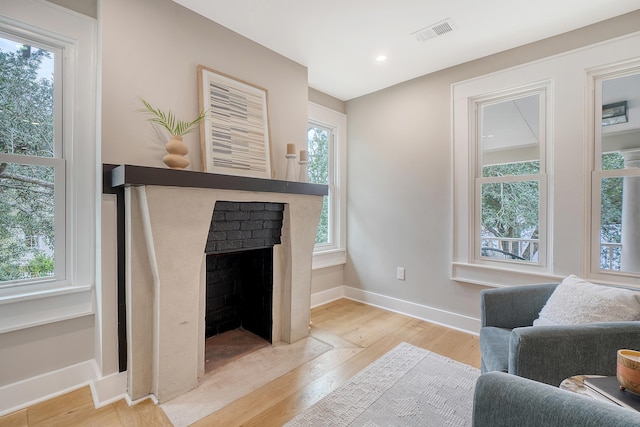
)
(433, 31)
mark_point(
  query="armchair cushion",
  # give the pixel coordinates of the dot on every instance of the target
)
(494, 346)
(514, 306)
(576, 301)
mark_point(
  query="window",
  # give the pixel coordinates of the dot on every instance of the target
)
(326, 144)
(501, 197)
(32, 169)
(320, 143)
(48, 177)
(615, 243)
(510, 180)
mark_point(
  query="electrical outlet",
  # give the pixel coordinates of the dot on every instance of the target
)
(400, 273)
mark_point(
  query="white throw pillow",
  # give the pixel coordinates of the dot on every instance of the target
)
(576, 301)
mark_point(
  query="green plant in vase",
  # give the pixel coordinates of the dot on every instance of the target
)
(176, 148)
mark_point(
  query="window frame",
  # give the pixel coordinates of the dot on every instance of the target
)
(70, 295)
(331, 179)
(475, 147)
(57, 161)
(595, 78)
(334, 253)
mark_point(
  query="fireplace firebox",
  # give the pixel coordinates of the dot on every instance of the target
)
(239, 270)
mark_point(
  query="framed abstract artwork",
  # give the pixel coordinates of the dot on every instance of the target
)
(235, 134)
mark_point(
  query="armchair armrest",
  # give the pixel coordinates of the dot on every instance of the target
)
(514, 306)
(503, 400)
(550, 354)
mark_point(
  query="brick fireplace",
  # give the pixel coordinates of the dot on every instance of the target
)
(168, 218)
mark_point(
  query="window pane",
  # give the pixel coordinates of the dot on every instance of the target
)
(524, 168)
(26, 99)
(510, 134)
(611, 161)
(26, 221)
(620, 196)
(318, 147)
(611, 223)
(619, 227)
(322, 235)
(509, 225)
(619, 123)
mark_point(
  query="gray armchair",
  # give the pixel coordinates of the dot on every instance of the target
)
(548, 354)
(503, 400)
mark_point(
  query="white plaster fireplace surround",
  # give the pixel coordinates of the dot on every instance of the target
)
(166, 233)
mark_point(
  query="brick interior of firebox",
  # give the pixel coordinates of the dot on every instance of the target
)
(239, 280)
(240, 292)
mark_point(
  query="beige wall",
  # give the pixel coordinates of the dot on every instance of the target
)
(144, 54)
(39, 350)
(85, 7)
(151, 49)
(325, 100)
(399, 173)
(327, 278)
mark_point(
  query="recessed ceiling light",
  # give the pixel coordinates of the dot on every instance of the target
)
(381, 58)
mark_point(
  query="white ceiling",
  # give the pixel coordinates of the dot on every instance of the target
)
(338, 40)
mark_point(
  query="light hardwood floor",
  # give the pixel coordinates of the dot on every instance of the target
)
(344, 324)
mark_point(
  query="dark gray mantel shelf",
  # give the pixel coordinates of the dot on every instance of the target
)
(116, 176)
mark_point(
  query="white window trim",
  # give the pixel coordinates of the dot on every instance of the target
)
(595, 77)
(568, 245)
(334, 254)
(467, 264)
(48, 301)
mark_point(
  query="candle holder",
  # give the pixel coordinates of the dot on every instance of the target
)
(304, 172)
(291, 166)
(303, 176)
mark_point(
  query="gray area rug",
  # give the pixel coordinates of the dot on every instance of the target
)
(408, 386)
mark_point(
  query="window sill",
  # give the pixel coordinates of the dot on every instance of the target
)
(38, 307)
(329, 258)
(492, 276)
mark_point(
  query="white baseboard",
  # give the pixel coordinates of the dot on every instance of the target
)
(109, 389)
(324, 297)
(46, 386)
(104, 390)
(418, 311)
